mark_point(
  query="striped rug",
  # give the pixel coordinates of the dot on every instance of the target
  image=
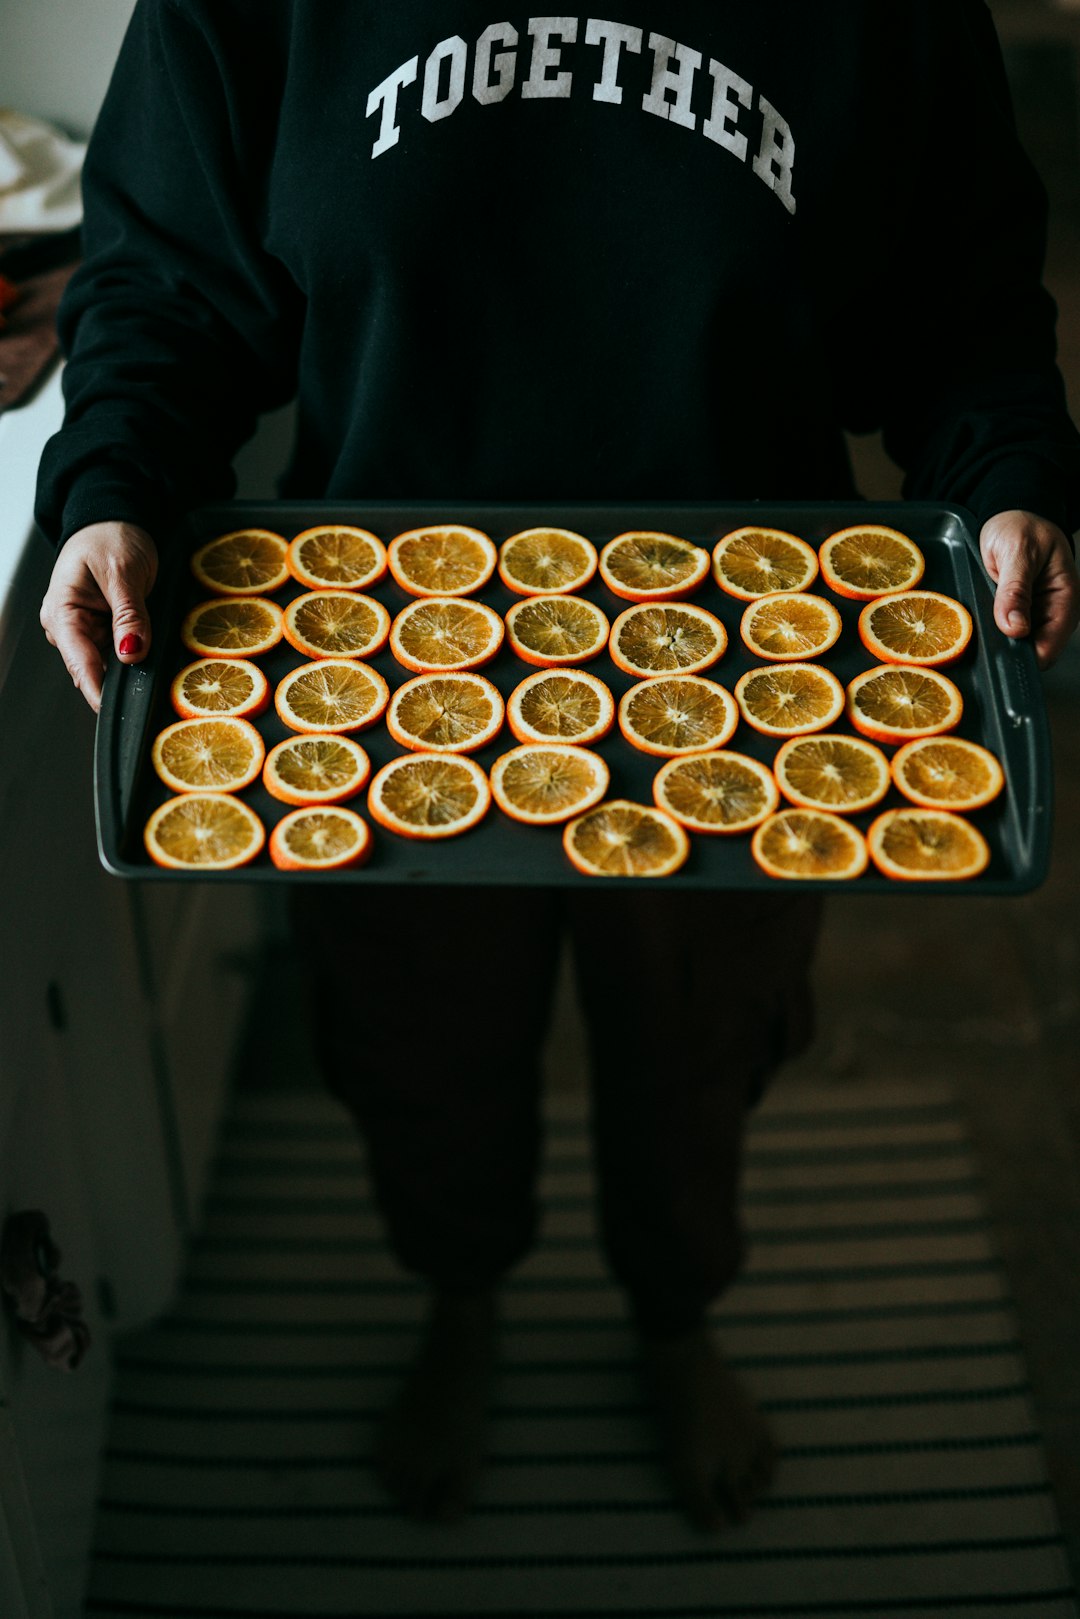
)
(873, 1324)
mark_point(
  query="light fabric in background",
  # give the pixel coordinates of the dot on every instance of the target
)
(39, 175)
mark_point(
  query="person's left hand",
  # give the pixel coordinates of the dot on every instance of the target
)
(1038, 586)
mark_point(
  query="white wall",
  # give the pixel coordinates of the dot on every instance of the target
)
(56, 57)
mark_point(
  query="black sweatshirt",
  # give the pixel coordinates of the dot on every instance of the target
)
(497, 256)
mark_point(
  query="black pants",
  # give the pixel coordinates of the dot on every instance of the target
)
(430, 1010)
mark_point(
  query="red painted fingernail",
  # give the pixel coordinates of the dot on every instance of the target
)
(130, 644)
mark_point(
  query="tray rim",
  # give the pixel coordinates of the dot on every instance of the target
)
(134, 681)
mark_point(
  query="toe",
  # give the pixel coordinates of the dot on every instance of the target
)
(450, 1502)
(742, 1493)
(763, 1470)
(416, 1494)
(700, 1503)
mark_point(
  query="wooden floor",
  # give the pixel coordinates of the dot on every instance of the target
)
(873, 1324)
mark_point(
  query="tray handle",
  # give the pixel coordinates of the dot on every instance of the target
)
(127, 696)
(1019, 681)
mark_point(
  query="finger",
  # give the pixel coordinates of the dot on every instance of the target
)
(1056, 615)
(130, 619)
(82, 659)
(1012, 600)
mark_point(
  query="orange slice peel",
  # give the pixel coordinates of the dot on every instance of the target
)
(894, 703)
(789, 699)
(914, 844)
(666, 638)
(753, 562)
(450, 713)
(915, 627)
(203, 832)
(331, 695)
(870, 560)
(242, 625)
(678, 714)
(790, 626)
(543, 561)
(553, 631)
(444, 559)
(619, 838)
(219, 755)
(809, 846)
(545, 783)
(245, 562)
(443, 633)
(645, 565)
(560, 705)
(315, 769)
(842, 775)
(321, 837)
(336, 624)
(429, 795)
(718, 792)
(948, 773)
(336, 556)
(211, 688)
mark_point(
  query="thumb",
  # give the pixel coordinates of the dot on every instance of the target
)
(130, 622)
(1012, 600)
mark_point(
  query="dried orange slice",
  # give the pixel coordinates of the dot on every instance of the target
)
(621, 839)
(335, 556)
(870, 560)
(789, 699)
(455, 713)
(922, 843)
(543, 561)
(917, 626)
(547, 782)
(556, 706)
(213, 687)
(316, 769)
(336, 624)
(893, 704)
(444, 560)
(208, 756)
(247, 562)
(554, 630)
(840, 774)
(716, 792)
(441, 633)
(753, 562)
(666, 638)
(334, 694)
(324, 838)
(790, 625)
(809, 844)
(642, 565)
(677, 714)
(429, 795)
(203, 832)
(247, 625)
(945, 772)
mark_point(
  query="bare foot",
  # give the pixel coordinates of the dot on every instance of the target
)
(715, 1441)
(430, 1447)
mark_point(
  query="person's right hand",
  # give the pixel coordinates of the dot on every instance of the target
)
(97, 594)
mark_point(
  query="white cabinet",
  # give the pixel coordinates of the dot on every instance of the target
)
(120, 1008)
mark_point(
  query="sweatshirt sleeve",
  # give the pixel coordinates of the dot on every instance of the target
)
(975, 411)
(178, 328)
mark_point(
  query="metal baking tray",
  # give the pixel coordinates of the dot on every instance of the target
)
(1003, 701)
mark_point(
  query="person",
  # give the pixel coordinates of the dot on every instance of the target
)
(525, 261)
